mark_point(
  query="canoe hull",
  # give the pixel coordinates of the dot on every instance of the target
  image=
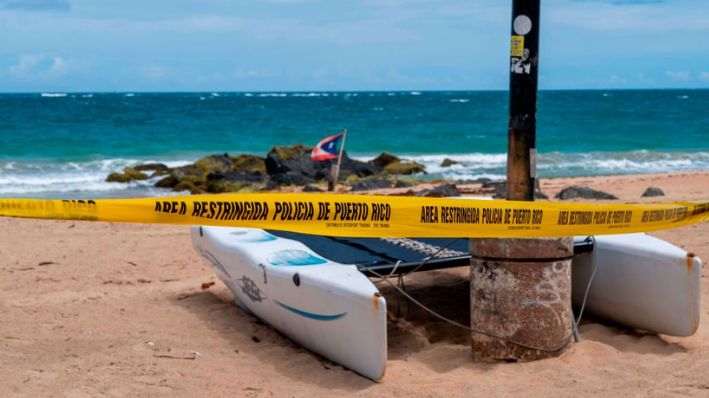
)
(327, 307)
(641, 281)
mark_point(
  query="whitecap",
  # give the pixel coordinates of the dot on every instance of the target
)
(556, 164)
(53, 95)
(76, 178)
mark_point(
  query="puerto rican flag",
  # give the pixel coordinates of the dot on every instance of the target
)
(327, 148)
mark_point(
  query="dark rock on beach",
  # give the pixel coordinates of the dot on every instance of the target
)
(291, 178)
(499, 189)
(448, 162)
(404, 168)
(290, 159)
(404, 184)
(232, 176)
(250, 164)
(184, 178)
(194, 188)
(441, 191)
(366, 185)
(385, 159)
(292, 165)
(652, 192)
(129, 174)
(394, 165)
(574, 192)
(232, 181)
(157, 169)
(167, 182)
(216, 174)
(215, 163)
(350, 167)
(282, 166)
(310, 188)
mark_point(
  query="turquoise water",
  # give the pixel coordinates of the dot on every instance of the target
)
(58, 144)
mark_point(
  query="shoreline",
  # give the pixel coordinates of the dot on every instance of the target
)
(78, 179)
(677, 186)
(110, 309)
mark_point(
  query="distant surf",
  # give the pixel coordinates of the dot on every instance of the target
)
(77, 179)
(56, 179)
(64, 144)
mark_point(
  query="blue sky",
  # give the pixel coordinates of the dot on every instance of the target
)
(274, 45)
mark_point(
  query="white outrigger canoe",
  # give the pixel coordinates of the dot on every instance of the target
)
(642, 282)
(330, 308)
(316, 291)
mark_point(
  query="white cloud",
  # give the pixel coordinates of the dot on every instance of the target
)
(26, 65)
(40, 66)
(58, 67)
(253, 74)
(678, 76)
(153, 72)
(618, 80)
(704, 76)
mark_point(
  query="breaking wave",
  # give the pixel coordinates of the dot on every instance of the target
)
(557, 164)
(74, 179)
(86, 179)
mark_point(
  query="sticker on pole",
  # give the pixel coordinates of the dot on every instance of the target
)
(517, 46)
(522, 25)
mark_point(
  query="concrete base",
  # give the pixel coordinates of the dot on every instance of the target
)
(520, 289)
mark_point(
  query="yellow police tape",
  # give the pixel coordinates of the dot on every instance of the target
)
(372, 216)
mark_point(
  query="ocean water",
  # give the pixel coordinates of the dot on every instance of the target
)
(64, 144)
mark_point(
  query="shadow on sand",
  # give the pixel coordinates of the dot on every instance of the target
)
(250, 336)
(411, 330)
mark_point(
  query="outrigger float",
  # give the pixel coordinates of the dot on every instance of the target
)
(316, 289)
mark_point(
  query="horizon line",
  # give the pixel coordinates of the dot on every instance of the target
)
(334, 91)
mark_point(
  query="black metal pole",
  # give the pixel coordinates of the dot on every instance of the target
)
(524, 63)
(514, 307)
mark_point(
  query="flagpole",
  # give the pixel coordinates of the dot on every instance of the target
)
(339, 158)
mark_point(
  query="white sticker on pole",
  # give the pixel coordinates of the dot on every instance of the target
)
(522, 25)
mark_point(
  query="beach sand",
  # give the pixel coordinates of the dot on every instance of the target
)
(105, 309)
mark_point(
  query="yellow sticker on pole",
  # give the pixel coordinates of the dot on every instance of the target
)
(517, 46)
(372, 216)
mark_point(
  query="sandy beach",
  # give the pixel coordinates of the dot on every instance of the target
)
(114, 310)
